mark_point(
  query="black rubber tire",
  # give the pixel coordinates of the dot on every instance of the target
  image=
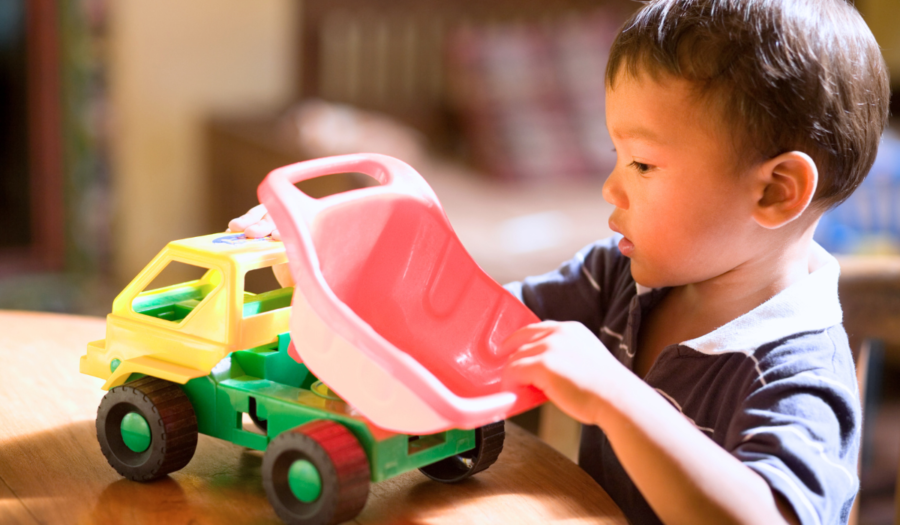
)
(173, 428)
(488, 445)
(342, 465)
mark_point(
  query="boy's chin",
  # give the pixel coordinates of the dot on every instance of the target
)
(645, 279)
(648, 278)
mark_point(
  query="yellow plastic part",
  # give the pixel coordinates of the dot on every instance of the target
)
(216, 325)
(154, 367)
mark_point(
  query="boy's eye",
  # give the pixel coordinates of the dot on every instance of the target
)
(639, 166)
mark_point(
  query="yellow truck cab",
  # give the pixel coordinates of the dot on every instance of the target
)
(181, 331)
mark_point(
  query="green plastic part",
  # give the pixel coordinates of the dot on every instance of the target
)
(403, 453)
(305, 481)
(114, 364)
(272, 362)
(203, 395)
(172, 303)
(268, 301)
(280, 391)
(135, 432)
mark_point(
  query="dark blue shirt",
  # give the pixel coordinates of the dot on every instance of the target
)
(775, 387)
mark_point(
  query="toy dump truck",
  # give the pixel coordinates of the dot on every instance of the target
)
(196, 356)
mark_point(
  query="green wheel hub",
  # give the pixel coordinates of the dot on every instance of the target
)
(305, 481)
(136, 432)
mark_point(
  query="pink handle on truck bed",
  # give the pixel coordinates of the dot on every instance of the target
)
(393, 314)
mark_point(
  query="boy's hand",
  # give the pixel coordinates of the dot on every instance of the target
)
(685, 476)
(567, 362)
(255, 223)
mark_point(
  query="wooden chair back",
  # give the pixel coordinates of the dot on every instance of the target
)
(869, 289)
(388, 55)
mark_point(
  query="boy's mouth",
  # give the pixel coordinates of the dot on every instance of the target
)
(625, 244)
(626, 247)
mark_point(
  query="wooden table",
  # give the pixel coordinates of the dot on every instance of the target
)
(52, 470)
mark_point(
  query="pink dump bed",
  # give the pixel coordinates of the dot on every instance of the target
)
(392, 312)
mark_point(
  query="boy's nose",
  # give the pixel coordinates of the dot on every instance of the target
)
(613, 192)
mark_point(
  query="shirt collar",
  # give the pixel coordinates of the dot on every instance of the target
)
(641, 289)
(810, 304)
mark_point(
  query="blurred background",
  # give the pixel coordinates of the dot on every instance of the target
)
(127, 124)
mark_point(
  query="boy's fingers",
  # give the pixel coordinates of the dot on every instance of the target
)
(254, 215)
(526, 367)
(530, 333)
(238, 225)
(261, 228)
(276, 235)
(525, 371)
(528, 350)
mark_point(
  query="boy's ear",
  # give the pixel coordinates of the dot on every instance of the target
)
(784, 188)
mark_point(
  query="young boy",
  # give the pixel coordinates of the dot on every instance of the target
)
(703, 348)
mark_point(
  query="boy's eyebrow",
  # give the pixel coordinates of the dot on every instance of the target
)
(638, 132)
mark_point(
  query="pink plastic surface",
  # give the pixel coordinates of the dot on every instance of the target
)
(393, 313)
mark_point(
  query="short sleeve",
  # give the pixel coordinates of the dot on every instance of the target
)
(582, 289)
(800, 431)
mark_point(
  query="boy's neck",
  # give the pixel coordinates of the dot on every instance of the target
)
(693, 310)
(717, 301)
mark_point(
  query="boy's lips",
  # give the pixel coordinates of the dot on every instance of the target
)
(625, 244)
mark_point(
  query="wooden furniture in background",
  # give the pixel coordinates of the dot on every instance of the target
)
(389, 55)
(870, 297)
(381, 55)
(869, 290)
(52, 470)
(41, 248)
(241, 151)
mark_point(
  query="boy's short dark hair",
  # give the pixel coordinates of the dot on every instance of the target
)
(803, 75)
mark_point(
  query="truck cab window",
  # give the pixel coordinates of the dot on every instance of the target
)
(176, 291)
